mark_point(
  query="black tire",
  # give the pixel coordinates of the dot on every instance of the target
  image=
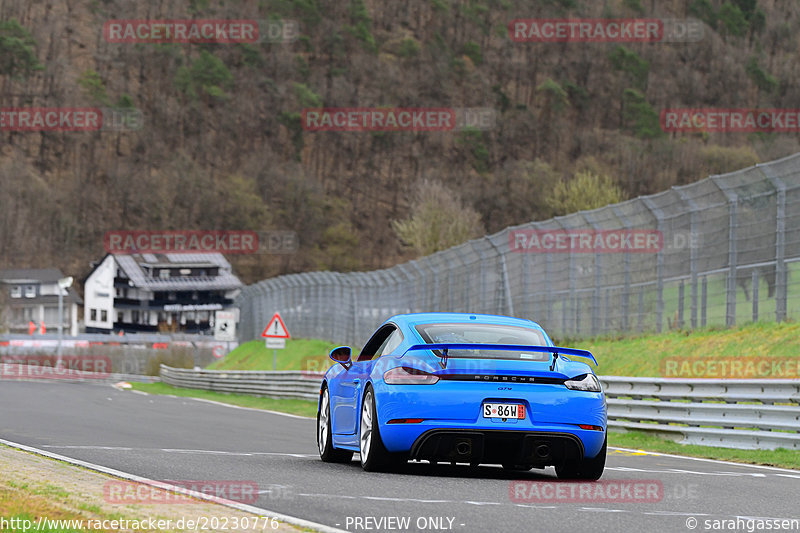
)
(327, 452)
(374, 456)
(585, 469)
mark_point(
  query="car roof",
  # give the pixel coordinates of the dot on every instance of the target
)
(412, 319)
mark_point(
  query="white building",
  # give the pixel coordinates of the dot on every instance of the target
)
(31, 296)
(158, 292)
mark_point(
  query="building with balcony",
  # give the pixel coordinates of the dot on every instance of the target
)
(158, 292)
(30, 295)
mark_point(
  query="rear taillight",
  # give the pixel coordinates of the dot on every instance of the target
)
(405, 421)
(590, 427)
(402, 375)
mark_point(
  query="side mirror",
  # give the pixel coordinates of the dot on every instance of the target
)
(341, 355)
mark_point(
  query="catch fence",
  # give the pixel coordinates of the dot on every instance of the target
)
(721, 251)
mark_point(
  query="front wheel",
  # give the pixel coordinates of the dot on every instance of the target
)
(327, 452)
(587, 469)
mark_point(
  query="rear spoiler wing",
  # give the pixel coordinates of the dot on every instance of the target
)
(555, 350)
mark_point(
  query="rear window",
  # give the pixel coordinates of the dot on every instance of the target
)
(485, 334)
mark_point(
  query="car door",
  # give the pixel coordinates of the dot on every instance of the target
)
(349, 385)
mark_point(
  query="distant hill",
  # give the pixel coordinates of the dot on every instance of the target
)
(222, 145)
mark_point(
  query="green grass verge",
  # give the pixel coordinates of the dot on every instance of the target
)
(646, 354)
(643, 441)
(295, 407)
(299, 354)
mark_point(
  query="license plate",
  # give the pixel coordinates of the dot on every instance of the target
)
(503, 410)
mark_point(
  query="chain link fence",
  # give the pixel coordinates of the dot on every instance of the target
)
(721, 251)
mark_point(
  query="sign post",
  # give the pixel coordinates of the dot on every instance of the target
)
(276, 335)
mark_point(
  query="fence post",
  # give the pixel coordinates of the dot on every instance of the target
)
(626, 291)
(755, 295)
(679, 323)
(526, 292)
(548, 286)
(730, 289)
(693, 209)
(781, 287)
(505, 283)
(659, 264)
(598, 279)
(640, 320)
(704, 304)
(730, 308)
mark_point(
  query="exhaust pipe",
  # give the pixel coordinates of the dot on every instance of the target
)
(464, 448)
(543, 451)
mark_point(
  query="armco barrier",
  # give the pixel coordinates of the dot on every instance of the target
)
(12, 372)
(754, 414)
(277, 384)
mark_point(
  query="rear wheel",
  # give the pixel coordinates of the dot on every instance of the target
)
(588, 469)
(327, 452)
(374, 456)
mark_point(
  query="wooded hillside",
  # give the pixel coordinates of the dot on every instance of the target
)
(222, 145)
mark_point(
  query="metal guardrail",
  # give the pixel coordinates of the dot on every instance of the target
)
(278, 384)
(16, 372)
(751, 414)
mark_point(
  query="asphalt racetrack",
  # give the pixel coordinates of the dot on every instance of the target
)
(166, 438)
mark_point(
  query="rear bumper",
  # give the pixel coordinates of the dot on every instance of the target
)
(497, 447)
(448, 411)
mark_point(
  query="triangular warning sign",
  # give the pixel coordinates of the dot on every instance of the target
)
(276, 329)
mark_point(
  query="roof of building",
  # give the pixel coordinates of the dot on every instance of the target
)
(14, 276)
(132, 265)
(30, 275)
(47, 299)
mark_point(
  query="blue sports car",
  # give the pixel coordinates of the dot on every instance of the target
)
(463, 388)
